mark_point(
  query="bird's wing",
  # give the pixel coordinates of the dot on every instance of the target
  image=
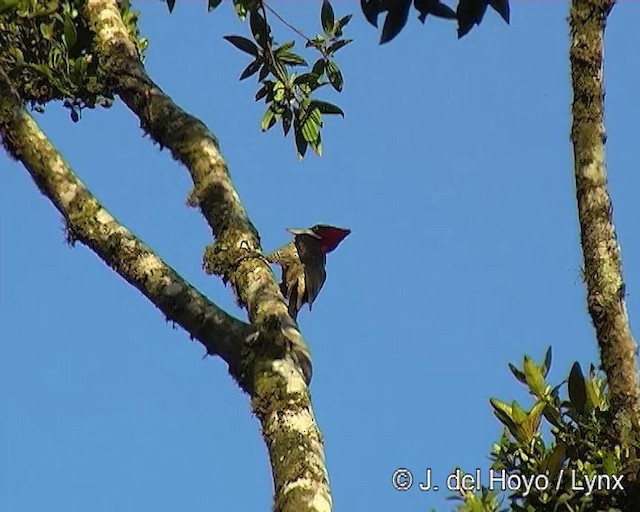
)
(314, 260)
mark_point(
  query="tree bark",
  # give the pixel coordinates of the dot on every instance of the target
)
(601, 251)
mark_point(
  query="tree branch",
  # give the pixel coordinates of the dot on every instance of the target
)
(236, 255)
(277, 358)
(602, 260)
(90, 223)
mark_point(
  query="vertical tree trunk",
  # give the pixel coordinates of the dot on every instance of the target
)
(602, 260)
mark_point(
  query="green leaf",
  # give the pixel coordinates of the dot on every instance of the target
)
(327, 17)
(317, 145)
(278, 91)
(241, 9)
(244, 44)
(531, 424)
(310, 130)
(251, 69)
(171, 4)
(594, 400)
(547, 363)
(535, 381)
(315, 115)
(213, 4)
(334, 75)
(327, 108)
(291, 59)
(268, 120)
(555, 460)
(577, 388)
(46, 29)
(19, 56)
(518, 413)
(504, 413)
(285, 47)
(553, 416)
(70, 33)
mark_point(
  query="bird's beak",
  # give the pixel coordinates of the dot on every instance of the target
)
(306, 231)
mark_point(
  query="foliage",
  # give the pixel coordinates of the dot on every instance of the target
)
(289, 96)
(45, 49)
(581, 452)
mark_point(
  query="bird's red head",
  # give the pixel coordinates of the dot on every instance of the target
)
(330, 236)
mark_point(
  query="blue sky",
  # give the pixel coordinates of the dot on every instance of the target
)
(453, 169)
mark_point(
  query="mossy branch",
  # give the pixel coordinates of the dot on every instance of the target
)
(601, 251)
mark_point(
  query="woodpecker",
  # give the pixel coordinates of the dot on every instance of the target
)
(303, 263)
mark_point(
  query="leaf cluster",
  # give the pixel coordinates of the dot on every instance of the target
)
(46, 51)
(290, 96)
(468, 13)
(565, 435)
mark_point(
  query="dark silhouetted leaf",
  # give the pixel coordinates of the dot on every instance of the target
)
(334, 75)
(502, 8)
(470, 13)
(440, 10)
(310, 80)
(327, 17)
(286, 121)
(327, 108)
(433, 7)
(318, 67)
(396, 20)
(577, 388)
(547, 363)
(262, 93)
(171, 4)
(259, 28)
(371, 10)
(339, 44)
(70, 33)
(244, 44)
(518, 374)
(213, 4)
(345, 20)
(251, 69)
(301, 144)
(264, 72)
